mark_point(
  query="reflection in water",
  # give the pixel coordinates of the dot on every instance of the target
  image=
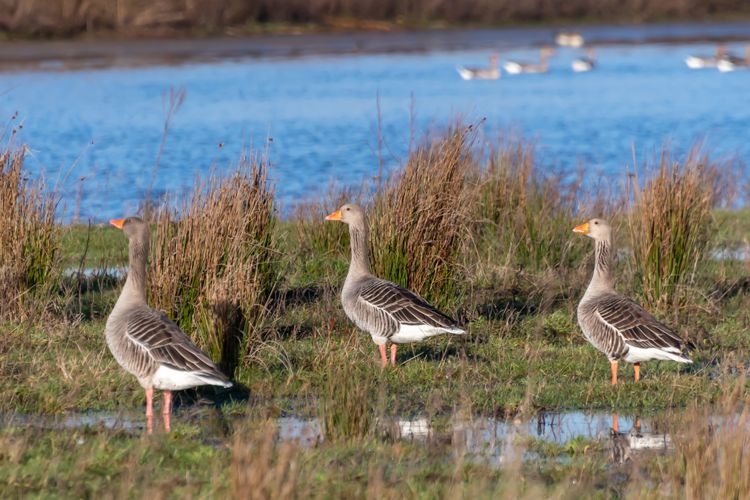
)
(490, 441)
(624, 445)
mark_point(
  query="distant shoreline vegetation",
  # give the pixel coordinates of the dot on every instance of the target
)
(142, 18)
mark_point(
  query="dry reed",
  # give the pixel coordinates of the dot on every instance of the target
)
(69, 17)
(214, 261)
(671, 226)
(29, 238)
(419, 221)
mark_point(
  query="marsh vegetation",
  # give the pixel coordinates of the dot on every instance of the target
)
(476, 227)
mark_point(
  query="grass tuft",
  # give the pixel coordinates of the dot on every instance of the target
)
(419, 220)
(346, 402)
(29, 239)
(671, 226)
(214, 263)
(526, 214)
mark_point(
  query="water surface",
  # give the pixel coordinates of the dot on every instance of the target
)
(99, 131)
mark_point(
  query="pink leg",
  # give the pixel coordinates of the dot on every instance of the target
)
(166, 412)
(383, 358)
(150, 410)
(393, 354)
(615, 423)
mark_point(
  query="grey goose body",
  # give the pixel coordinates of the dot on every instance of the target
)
(391, 313)
(145, 342)
(613, 323)
(150, 346)
(388, 312)
(492, 72)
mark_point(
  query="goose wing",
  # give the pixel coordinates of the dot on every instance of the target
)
(635, 325)
(161, 339)
(404, 306)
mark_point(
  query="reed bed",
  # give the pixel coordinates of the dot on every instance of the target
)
(419, 220)
(671, 226)
(29, 239)
(139, 17)
(527, 215)
(214, 260)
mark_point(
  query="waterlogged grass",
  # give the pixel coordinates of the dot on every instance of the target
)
(67, 367)
(523, 352)
(91, 463)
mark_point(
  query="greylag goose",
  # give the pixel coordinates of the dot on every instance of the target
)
(584, 64)
(474, 73)
(569, 39)
(145, 342)
(729, 62)
(517, 67)
(388, 312)
(613, 323)
(701, 62)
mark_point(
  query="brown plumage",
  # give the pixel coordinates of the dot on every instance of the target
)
(613, 323)
(145, 342)
(388, 312)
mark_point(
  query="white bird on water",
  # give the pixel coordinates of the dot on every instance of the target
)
(478, 73)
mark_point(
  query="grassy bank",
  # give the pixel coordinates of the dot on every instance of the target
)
(140, 18)
(502, 259)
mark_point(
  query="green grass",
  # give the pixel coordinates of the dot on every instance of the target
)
(523, 352)
(91, 463)
(531, 356)
(68, 367)
(96, 246)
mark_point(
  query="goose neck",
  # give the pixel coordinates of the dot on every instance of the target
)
(135, 284)
(360, 261)
(604, 257)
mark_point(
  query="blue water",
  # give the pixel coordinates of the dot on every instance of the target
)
(105, 126)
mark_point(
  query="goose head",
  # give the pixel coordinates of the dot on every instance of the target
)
(133, 227)
(349, 214)
(598, 229)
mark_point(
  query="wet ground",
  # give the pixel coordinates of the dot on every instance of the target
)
(486, 440)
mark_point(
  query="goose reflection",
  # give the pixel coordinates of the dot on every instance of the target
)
(624, 445)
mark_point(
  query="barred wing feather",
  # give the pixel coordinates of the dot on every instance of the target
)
(167, 345)
(404, 306)
(635, 325)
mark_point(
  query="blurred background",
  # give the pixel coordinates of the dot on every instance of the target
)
(120, 101)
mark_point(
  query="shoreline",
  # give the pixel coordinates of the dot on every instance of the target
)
(61, 55)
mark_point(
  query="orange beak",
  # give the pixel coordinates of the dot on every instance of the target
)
(334, 216)
(582, 229)
(118, 223)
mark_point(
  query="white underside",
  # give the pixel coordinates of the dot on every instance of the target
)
(170, 379)
(649, 441)
(581, 66)
(478, 74)
(513, 68)
(416, 333)
(725, 66)
(697, 62)
(638, 354)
